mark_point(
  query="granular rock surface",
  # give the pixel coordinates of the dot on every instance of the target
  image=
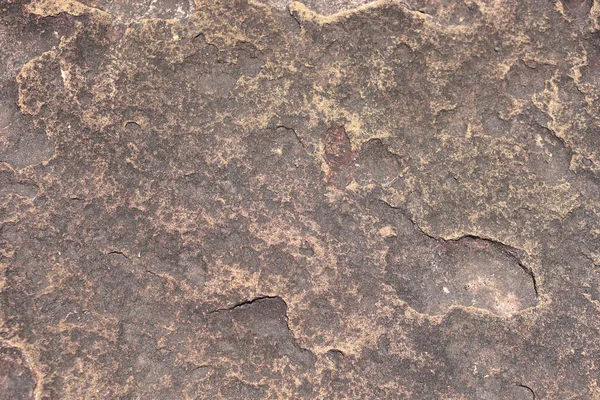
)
(244, 199)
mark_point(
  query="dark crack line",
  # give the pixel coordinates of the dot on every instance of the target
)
(119, 253)
(412, 221)
(294, 132)
(528, 388)
(411, 8)
(336, 351)
(246, 303)
(296, 19)
(529, 272)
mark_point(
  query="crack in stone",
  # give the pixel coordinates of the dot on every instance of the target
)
(245, 303)
(117, 252)
(528, 388)
(294, 132)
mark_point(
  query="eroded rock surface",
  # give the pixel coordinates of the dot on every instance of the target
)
(244, 199)
(432, 275)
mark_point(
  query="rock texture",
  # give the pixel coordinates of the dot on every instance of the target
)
(333, 200)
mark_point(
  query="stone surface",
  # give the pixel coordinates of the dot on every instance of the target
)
(245, 200)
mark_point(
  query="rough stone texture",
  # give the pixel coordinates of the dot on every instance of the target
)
(246, 200)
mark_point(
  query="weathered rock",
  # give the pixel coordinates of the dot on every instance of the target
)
(244, 199)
